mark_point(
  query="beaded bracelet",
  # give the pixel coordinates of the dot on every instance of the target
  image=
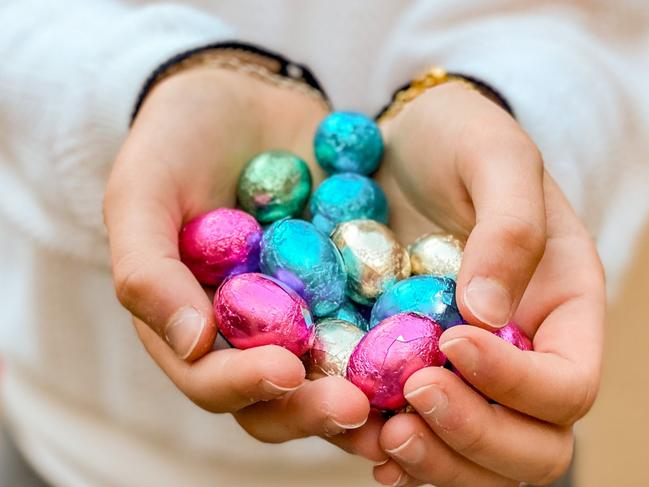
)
(243, 58)
(434, 77)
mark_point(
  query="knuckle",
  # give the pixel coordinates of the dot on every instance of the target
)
(131, 280)
(586, 393)
(527, 235)
(475, 442)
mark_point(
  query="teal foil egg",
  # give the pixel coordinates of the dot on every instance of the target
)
(348, 142)
(433, 296)
(305, 259)
(347, 196)
(274, 185)
(350, 313)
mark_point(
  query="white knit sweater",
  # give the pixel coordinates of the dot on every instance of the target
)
(87, 405)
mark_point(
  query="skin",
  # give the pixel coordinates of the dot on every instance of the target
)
(454, 160)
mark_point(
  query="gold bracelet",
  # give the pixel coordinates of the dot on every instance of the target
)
(249, 63)
(433, 77)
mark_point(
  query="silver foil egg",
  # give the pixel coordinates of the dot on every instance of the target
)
(333, 343)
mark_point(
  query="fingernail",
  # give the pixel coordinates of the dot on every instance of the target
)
(462, 353)
(382, 462)
(333, 427)
(183, 331)
(411, 451)
(402, 480)
(488, 301)
(430, 401)
(272, 388)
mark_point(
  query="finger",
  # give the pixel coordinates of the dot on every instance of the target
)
(227, 380)
(422, 455)
(363, 441)
(503, 174)
(499, 439)
(390, 473)
(324, 407)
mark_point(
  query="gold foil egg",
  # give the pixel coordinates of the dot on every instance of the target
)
(373, 257)
(436, 254)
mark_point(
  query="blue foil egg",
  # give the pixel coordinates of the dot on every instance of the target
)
(433, 296)
(344, 197)
(350, 313)
(348, 142)
(302, 257)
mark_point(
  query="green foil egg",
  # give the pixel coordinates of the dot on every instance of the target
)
(274, 185)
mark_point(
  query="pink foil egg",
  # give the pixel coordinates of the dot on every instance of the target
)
(221, 243)
(254, 310)
(390, 353)
(513, 334)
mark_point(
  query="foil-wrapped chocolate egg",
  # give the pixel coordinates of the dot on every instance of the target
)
(299, 255)
(432, 296)
(220, 243)
(274, 185)
(253, 310)
(348, 142)
(347, 196)
(352, 314)
(374, 258)
(333, 342)
(390, 353)
(436, 254)
(513, 334)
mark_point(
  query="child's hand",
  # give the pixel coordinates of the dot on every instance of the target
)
(182, 157)
(463, 163)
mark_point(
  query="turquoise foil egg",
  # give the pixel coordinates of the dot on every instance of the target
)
(344, 197)
(348, 142)
(432, 296)
(298, 254)
(350, 313)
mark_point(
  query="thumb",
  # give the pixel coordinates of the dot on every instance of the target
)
(504, 178)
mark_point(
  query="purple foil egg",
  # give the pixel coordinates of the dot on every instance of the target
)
(513, 334)
(390, 353)
(221, 243)
(253, 310)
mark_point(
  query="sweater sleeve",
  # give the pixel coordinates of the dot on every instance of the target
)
(69, 78)
(574, 84)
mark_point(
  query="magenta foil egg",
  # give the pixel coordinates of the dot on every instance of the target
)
(220, 243)
(513, 334)
(253, 310)
(390, 353)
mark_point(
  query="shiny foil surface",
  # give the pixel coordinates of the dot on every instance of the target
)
(373, 257)
(299, 255)
(513, 334)
(350, 313)
(390, 353)
(274, 185)
(348, 142)
(347, 196)
(333, 342)
(436, 254)
(253, 310)
(220, 243)
(432, 296)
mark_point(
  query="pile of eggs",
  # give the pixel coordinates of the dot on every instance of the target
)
(337, 287)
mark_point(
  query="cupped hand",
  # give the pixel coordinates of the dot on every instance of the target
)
(456, 161)
(182, 157)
